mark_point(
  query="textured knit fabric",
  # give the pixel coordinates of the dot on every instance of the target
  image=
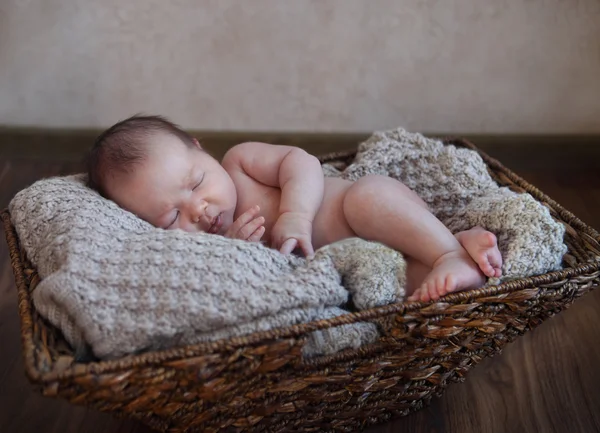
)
(119, 285)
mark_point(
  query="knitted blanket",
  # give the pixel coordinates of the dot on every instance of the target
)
(116, 285)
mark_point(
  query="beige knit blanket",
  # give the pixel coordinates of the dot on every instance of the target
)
(115, 284)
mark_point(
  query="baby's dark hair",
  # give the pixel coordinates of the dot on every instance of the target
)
(124, 145)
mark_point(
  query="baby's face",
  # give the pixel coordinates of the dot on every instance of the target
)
(177, 187)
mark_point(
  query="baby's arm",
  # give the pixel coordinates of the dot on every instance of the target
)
(300, 177)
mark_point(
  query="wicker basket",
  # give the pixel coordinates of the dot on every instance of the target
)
(261, 383)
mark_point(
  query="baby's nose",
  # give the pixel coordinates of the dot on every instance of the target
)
(199, 210)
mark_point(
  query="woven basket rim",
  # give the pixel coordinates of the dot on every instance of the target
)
(294, 331)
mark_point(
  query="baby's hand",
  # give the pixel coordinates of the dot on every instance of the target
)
(248, 227)
(292, 230)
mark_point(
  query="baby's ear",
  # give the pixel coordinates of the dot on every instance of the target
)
(197, 143)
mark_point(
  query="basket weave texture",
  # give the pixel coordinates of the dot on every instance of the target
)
(261, 382)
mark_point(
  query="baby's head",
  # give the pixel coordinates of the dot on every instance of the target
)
(152, 168)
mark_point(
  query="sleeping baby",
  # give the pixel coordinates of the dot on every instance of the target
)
(278, 195)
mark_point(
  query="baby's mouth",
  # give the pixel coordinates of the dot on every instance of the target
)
(216, 224)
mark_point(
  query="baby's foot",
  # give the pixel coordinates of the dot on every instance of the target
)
(482, 246)
(452, 272)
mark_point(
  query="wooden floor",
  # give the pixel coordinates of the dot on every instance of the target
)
(547, 381)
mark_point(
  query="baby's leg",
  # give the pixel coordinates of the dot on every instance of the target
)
(382, 209)
(481, 244)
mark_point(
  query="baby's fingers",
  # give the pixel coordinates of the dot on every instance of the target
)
(242, 220)
(258, 233)
(307, 248)
(288, 246)
(247, 216)
(250, 228)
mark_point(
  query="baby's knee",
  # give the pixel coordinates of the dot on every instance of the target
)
(369, 185)
(363, 187)
(375, 189)
(362, 195)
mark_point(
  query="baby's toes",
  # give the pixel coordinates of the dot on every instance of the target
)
(450, 286)
(415, 296)
(495, 259)
(439, 288)
(486, 266)
(426, 291)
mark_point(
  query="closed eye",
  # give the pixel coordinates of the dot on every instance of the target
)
(198, 184)
(173, 222)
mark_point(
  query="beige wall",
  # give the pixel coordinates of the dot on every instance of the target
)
(345, 65)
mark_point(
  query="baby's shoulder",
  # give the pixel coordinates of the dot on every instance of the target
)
(254, 158)
(249, 148)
